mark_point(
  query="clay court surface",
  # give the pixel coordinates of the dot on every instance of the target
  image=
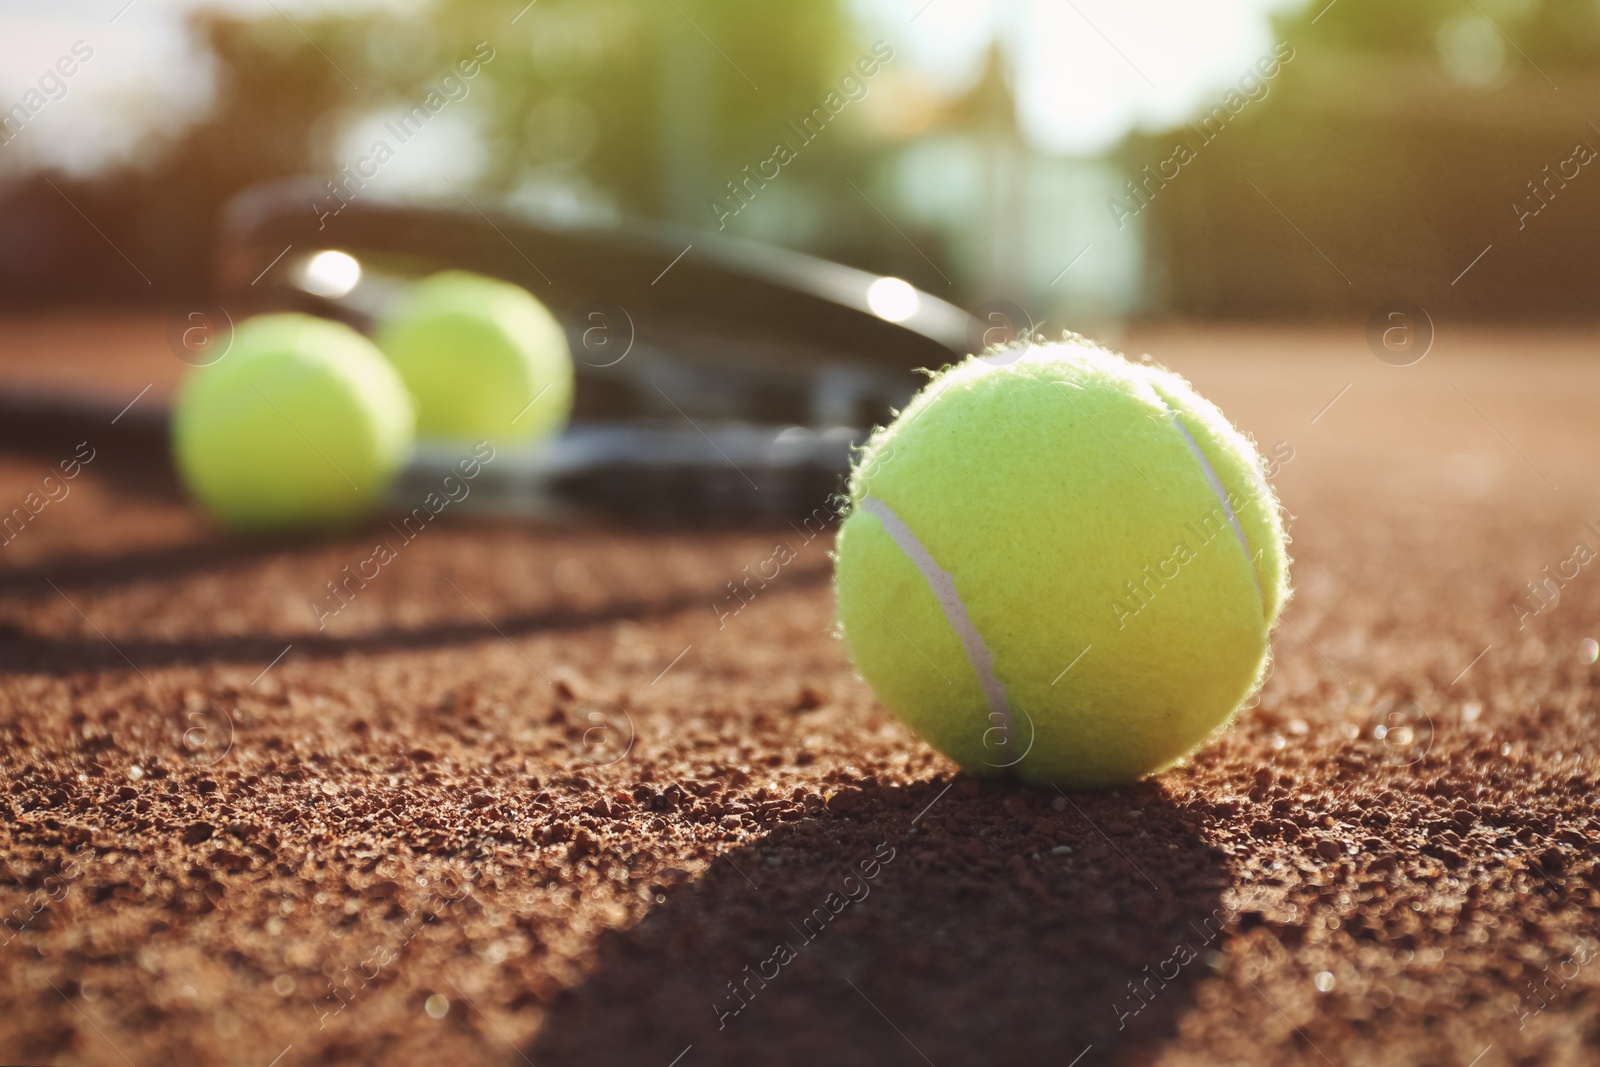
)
(420, 836)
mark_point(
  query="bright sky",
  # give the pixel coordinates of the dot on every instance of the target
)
(105, 108)
(146, 77)
(1086, 71)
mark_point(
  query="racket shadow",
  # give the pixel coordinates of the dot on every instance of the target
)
(23, 651)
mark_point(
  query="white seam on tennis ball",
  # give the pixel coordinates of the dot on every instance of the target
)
(943, 587)
(1221, 495)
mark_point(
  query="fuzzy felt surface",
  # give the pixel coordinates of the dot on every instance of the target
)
(301, 423)
(1092, 551)
(485, 359)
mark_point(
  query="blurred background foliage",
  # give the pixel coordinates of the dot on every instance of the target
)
(1403, 140)
(1387, 153)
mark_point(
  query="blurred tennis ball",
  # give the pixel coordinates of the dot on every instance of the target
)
(302, 423)
(485, 360)
(1064, 568)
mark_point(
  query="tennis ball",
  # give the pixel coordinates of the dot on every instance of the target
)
(301, 423)
(485, 360)
(1064, 568)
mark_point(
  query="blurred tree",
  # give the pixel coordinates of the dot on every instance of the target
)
(640, 108)
(1391, 150)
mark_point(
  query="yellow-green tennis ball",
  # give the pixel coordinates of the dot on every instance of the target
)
(485, 360)
(1063, 568)
(301, 423)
